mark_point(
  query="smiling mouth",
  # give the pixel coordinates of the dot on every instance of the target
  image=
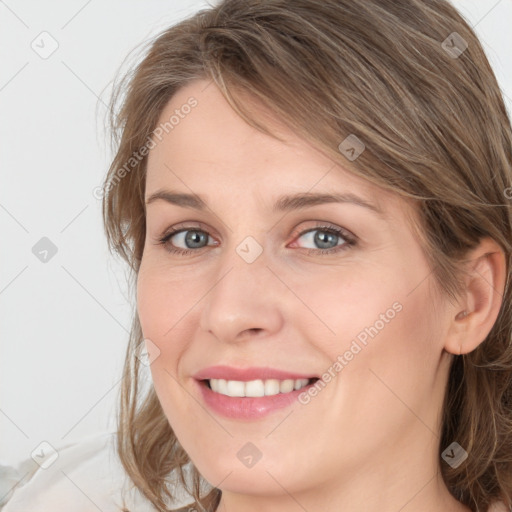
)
(256, 388)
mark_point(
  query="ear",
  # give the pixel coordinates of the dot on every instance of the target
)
(481, 302)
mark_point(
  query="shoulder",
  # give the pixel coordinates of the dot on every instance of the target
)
(84, 476)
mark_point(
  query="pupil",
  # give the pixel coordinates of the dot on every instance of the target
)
(322, 237)
(193, 237)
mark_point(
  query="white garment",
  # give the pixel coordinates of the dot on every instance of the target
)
(87, 476)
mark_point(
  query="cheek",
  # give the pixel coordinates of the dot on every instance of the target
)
(152, 303)
(394, 369)
(165, 306)
(164, 300)
(344, 306)
(379, 322)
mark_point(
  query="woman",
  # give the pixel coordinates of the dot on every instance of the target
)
(313, 198)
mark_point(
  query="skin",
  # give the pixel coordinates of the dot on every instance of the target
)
(370, 439)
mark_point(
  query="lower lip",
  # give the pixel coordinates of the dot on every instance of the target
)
(248, 408)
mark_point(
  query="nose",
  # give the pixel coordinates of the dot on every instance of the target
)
(244, 300)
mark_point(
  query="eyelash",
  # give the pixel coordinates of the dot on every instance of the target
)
(350, 240)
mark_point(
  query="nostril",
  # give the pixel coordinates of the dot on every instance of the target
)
(253, 330)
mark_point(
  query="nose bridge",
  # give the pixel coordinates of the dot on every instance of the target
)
(244, 295)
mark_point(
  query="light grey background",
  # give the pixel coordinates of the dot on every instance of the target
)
(64, 323)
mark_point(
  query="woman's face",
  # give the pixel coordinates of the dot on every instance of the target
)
(273, 290)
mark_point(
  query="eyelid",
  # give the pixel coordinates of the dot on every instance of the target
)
(319, 225)
(186, 226)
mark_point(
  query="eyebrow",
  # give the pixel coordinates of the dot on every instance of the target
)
(283, 204)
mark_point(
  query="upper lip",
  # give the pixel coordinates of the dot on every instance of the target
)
(247, 374)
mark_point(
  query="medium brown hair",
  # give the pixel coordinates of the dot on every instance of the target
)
(435, 131)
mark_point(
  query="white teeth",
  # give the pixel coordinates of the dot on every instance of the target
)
(222, 386)
(235, 388)
(300, 383)
(271, 387)
(256, 388)
(286, 385)
(214, 384)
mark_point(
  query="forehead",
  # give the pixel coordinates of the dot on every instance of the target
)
(213, 132)
(205, 147)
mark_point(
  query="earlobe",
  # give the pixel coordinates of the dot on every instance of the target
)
(481, 302)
